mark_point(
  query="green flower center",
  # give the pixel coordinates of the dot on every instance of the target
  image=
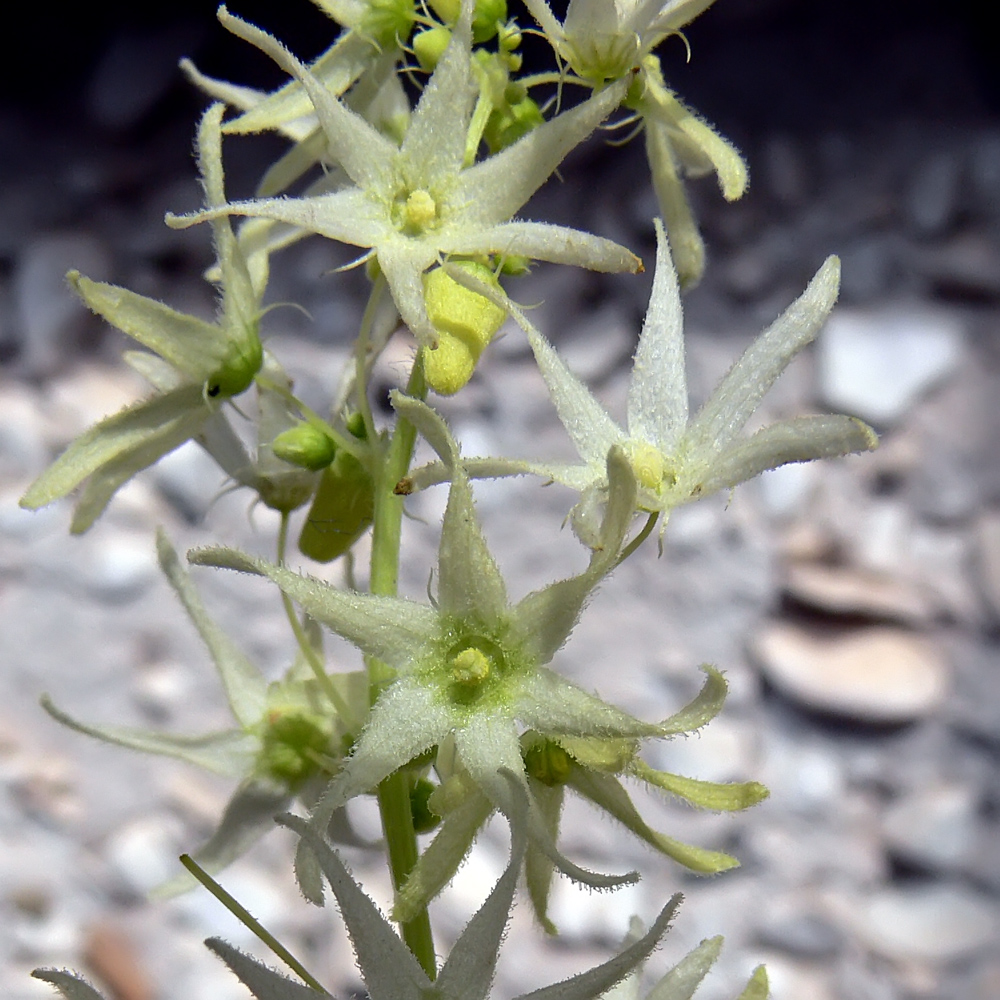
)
(471, 667)
(290, 747)
(474, 665)
(420, 212)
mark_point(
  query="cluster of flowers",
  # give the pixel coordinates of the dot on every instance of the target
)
(457, 713)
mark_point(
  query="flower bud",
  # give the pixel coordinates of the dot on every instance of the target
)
(429, 46)
(486, 21)
(305, 446)
(465, 322)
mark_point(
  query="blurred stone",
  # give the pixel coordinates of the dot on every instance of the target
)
(848, 591)
(868, 267)
(799, 931)
(784, 170)
(934, 827)
(877, 674)
(112, 956)
(966, 266)
(189, 478)
(144, 852)
(936, 922)
(987, 548)
(875, 364)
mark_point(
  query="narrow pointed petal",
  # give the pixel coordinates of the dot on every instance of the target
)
(349, 216)
(545, 618)
(337, 68)
(541, 241)
(469, 970)
(704, 707)
(245, 686)
(555, 707)
(233, 94)
(406, 720)
(248, 815)
(105, 481)
(228, 753)
(685, 240)
(191, 345)
(542, 13)
(362, 151)
(657, 393)
(686, 976)
(744, 385)
(538, 866)
(758, 988)
(403, 262)
(470, 584)
(800, 439)
(607, 793)
(113, 438)
(69, 986)
(390, 628)
(488, 743)
(437, 865)
(715, 795)
(496, 188)
(594, 982)
(389, 969)
(264, 983)
(590, 428)
(434, 144)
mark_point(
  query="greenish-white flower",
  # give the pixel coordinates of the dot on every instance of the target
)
(471, 668)
(201, 365)
(675, 458)
(290, 735)
(420, 200)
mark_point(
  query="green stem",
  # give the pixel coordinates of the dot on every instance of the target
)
(247, 919)
(394, 791)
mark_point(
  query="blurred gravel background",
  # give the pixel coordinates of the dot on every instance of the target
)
(855, 605)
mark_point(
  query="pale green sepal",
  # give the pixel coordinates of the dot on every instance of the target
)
(715, 795)
(686, 976)
(758, 988)
(105, 481)
(590, 428)
(443, 856)
(657, 408)
(469, 580)
(564, 708)
(389, 628)
(538, 866)
(262, 982)
(229, 753)
(799, 439)
(704, 707)
(112, 438)
(233, 94)
(248, 816)
(362, 151)
(245, 686)
(158, 373)
(502, 183)
(596, 981)
(603, 754)
(745, 384)
(193, 346)
(607, 792)
(337, 68)
(70, 986)
(686, 244)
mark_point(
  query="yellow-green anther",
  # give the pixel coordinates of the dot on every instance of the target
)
(509, 37)
(429, 46)
(305, 446)
(465, 322)
(420, 211)
(471, 667)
